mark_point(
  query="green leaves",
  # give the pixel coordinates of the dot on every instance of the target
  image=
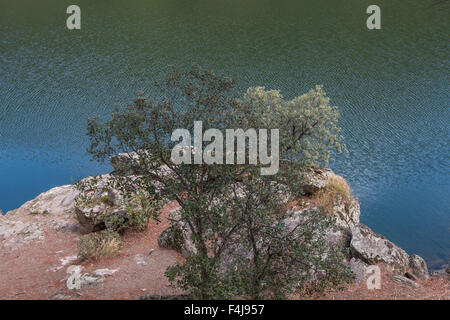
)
(307, 123)
(236, 219)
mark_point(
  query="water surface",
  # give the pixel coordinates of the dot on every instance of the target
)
(392, 87)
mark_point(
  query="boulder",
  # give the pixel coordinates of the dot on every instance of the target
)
(96, 203)
(101, 206)
(76, 279)
(406, 281)
(344, 210)
(315, 179)
(51, 209)
(359, 269)
(177, 238)
(123, 163)
(373, 248)
(443, 272)
(418, 267)
(346, 215)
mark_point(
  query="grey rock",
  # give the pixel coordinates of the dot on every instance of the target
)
(406, 281)
(100, 205)
(315, 179)
(419, 267)
(177, 238)
(26, 224)
(346, 215)
(373, 248)
(76, 280)
(411, 276)
(359, 269)
(443, 272)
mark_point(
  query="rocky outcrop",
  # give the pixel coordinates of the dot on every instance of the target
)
(76, 279)
(94, 207)
(50, 209)
(102, 205)
(346, 215)
(365, 246)
(418, 267)
(98, 203)
(359, 269)
(373, 248)
(405, 281)
(315, 179)
(344, 210)
(177, 237)
(54, 201)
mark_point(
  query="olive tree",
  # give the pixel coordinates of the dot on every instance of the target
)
(244, 244)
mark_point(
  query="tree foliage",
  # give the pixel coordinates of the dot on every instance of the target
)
(238, 221)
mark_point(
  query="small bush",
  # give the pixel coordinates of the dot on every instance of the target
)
(172, 238)
(337, 188)
(235, 217)
(103, 244)
(138, 210)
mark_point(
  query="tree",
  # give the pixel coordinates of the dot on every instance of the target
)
(237, 219)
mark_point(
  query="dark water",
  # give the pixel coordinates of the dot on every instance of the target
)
(392, 86)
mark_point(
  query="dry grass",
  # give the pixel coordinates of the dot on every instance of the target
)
(103, 244)
(336, 189)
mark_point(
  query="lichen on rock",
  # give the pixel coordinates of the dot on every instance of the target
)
(418, 267)
(373, 248)
(52, 208)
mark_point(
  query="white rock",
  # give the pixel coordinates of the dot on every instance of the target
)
(406, 281)
(140, 259)
(77, 280)
(105, 272)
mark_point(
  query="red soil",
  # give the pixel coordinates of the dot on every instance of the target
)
(29, 272)
(26, 273)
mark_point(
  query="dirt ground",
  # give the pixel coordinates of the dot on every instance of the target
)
(36, 271)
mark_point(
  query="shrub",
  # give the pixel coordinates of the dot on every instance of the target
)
(115, 209)
(138, 210)
(337, 189)
(172, 238)
(103, 244)
(235, 216)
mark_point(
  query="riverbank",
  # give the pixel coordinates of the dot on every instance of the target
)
(39, 246)
(34, 264)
